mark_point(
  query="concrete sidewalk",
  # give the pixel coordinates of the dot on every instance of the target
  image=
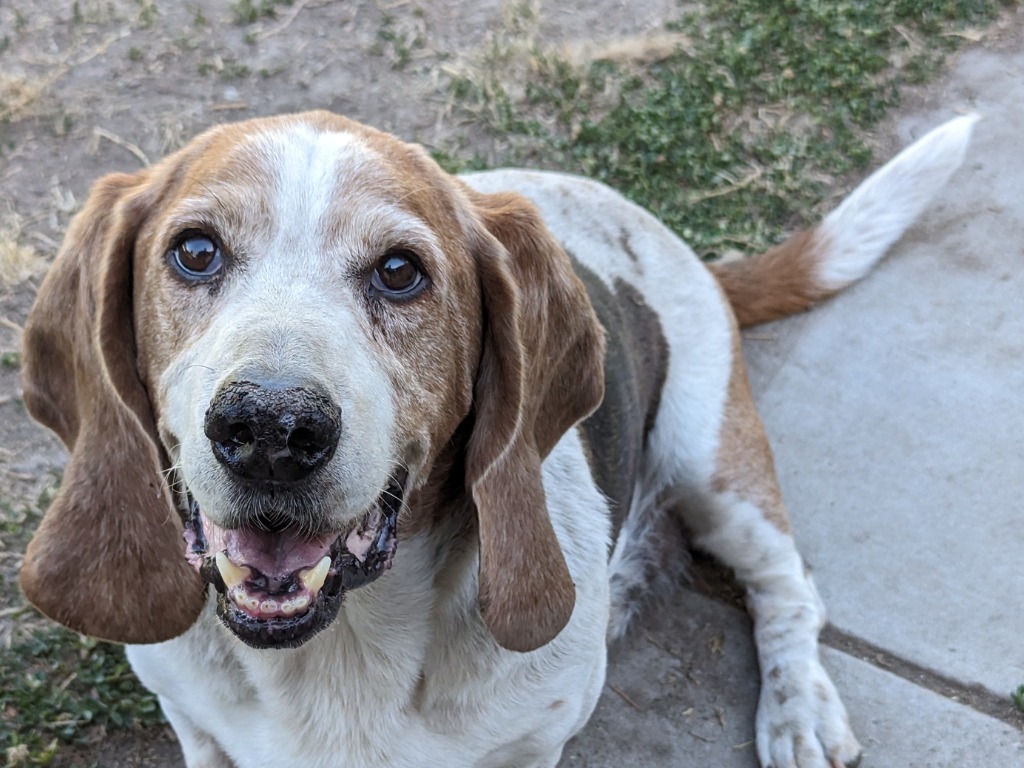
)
(895, 416)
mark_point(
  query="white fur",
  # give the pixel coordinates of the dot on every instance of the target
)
(859, 232)
(353, 694)
(408, 676)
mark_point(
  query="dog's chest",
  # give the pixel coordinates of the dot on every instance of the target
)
(405, 677)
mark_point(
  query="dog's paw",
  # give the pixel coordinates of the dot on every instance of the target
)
(801, 722)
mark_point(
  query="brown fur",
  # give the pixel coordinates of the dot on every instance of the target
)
(541, 372)
(745, 465)
(780, 282)
(107, 558)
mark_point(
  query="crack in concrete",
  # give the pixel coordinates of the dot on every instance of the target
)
(711, 579)
(974, 696)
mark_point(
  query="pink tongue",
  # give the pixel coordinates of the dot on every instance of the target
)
(275, 555)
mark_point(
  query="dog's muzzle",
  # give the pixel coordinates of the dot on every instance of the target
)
(276, 589)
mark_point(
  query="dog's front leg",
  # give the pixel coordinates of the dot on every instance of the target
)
(737, 514)
(197, 747)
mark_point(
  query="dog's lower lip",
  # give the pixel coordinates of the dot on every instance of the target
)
(285, 611)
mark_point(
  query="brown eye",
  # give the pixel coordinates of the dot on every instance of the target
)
(397, 275)
(197, 257)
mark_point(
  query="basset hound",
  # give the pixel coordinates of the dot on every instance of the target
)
(369, 462)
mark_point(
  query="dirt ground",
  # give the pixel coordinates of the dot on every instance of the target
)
(97, 86)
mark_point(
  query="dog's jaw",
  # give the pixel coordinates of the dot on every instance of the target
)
(277, 589)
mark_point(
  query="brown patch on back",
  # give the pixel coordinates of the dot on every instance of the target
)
(636, 364)
(744, 465)
(780, 282)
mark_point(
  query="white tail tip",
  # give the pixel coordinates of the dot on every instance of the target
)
(859, 232)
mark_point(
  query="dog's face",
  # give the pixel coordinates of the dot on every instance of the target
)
(313, 326)
(291, 320)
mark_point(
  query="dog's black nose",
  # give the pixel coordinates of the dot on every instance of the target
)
(264, 433)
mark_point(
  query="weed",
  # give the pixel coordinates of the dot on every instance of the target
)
(147, 13)
(233, 70)
(227, 68)
(186, 43)
(60, 688)
(10, 360)
(736, 134)
(199, 20)
(401, 41)
(134, 54)
(1018, 697)
(247, 11)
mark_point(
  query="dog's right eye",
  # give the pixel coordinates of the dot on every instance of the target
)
(197, 257)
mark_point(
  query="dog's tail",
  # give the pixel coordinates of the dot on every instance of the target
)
(817, 263)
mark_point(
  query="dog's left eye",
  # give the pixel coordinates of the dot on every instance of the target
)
(398, 275)
(197, 257)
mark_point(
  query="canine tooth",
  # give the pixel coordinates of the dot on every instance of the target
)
(314, 578)
(231, 573)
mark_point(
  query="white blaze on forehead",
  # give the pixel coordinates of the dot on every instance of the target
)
(331, 199)
(308, 168)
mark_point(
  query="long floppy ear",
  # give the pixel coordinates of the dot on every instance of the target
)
(108, 558)
(541, 371)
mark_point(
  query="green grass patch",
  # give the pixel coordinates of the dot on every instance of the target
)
(738, 133)
(248, 12)
(1018, 698)
(400, 38)
(59, 688)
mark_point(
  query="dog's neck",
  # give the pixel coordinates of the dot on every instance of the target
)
(393, 641)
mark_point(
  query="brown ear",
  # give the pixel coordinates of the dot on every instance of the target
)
(541, 371)
(108, 558)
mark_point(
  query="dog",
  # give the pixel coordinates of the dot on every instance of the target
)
(368, 462)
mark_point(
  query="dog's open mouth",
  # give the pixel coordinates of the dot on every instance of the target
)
(276, 589)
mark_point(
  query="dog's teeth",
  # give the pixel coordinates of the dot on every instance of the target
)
(231, 573)
(291, 607)
(314, 578)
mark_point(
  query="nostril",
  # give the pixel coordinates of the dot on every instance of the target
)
(304, 440)
(241, 434)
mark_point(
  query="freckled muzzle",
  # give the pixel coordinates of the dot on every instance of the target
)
(276, 589)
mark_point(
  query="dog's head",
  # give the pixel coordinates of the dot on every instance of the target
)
(271, 336)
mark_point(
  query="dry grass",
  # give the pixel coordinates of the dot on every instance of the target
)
(18, 94)
(639, 50)
(508, 58)
(18, 261)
